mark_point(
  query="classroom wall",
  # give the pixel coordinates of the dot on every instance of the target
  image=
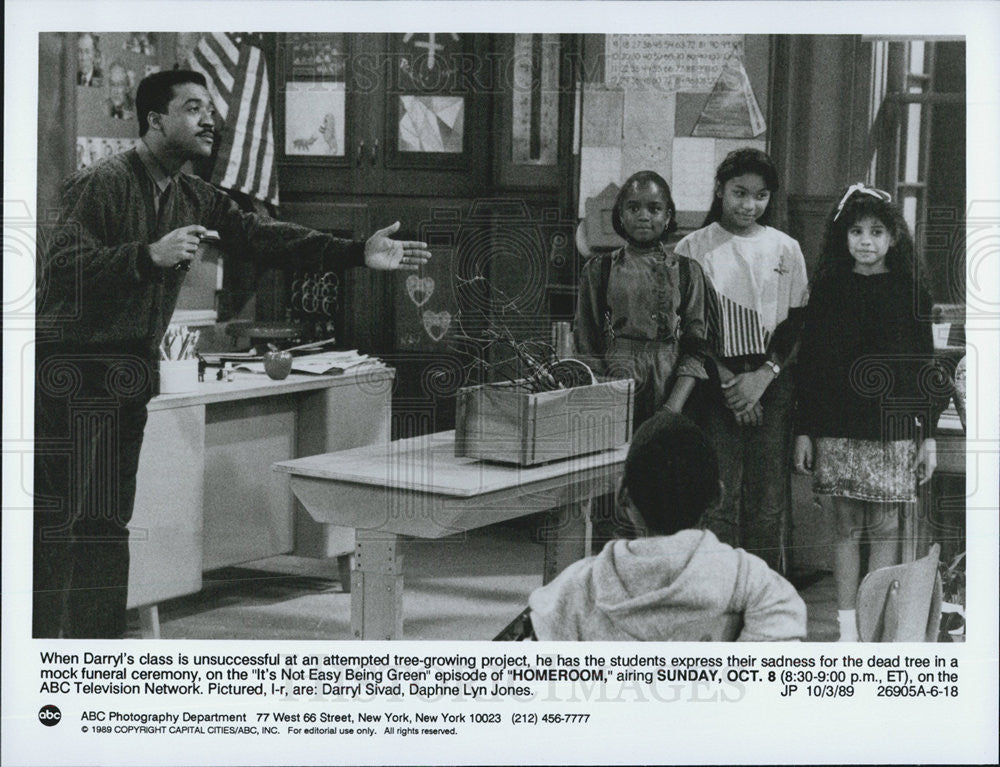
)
(820, 127)
(56, 107)
(676, 104)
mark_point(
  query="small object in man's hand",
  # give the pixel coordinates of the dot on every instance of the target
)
(210, 235)
(183, 266)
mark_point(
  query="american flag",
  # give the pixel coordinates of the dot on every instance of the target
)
(234, 66)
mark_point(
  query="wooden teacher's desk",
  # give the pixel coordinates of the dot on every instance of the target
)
(205, 493)
(417, 487)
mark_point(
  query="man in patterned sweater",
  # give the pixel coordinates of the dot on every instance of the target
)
(110, 274)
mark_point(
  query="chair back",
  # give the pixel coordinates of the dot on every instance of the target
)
(518, 630)
(901, 603)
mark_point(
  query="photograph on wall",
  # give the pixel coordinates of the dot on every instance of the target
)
(90, 61)
(317, 57)
(109, 67)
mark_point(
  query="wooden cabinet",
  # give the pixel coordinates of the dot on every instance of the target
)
(392, 114)
(473, 154)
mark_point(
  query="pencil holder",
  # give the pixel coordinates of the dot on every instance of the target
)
(178, 376)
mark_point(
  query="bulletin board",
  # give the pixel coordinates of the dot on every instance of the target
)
(109, 67)
(675, 104)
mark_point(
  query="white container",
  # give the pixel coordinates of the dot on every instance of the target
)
(562, 339)
(178, 376)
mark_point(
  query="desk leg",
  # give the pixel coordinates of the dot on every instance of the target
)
(149, 622)
(913, 526)
(377, 586)
(344, 562)
(567, 538)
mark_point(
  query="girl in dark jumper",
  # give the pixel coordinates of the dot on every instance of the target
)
(641, 312)
(866, 378)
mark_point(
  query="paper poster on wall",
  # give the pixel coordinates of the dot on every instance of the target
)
(603, 113)
(314, 118)
(428, 62)
(317, 56)
(668, 63)
(431, 123)
(694, 162)
(731, 110)
(91, 149)
(647, 141)
(693, 173)
(599, 166)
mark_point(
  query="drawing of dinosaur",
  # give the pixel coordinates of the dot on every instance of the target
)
(303, 144)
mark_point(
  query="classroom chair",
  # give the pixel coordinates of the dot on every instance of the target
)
(901, 603)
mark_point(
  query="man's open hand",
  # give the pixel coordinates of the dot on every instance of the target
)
(384, 253)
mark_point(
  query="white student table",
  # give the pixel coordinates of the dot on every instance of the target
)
(417, 487)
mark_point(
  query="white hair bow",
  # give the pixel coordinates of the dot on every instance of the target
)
(860, 188)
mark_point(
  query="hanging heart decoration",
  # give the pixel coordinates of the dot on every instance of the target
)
(437, 323)
(420, 289)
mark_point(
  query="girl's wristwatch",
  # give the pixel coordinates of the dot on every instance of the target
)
(775, 367)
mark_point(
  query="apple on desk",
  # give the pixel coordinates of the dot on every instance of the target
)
(277, 364)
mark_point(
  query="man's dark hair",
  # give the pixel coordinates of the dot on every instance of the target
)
(671, 473)
(156, 90)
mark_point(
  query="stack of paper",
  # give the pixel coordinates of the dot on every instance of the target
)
(324, 363)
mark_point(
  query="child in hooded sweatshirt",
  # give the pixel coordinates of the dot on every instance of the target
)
(672, 575)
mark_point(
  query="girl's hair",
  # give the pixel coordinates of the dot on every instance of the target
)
(739, 162)
(835, 258)
(636, 181)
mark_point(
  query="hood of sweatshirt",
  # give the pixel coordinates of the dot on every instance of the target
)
(654, 589)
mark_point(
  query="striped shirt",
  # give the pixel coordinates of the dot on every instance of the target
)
(757, 280)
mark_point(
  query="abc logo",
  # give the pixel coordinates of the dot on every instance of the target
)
(49, 715)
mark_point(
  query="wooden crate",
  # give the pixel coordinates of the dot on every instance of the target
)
(509, 424)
